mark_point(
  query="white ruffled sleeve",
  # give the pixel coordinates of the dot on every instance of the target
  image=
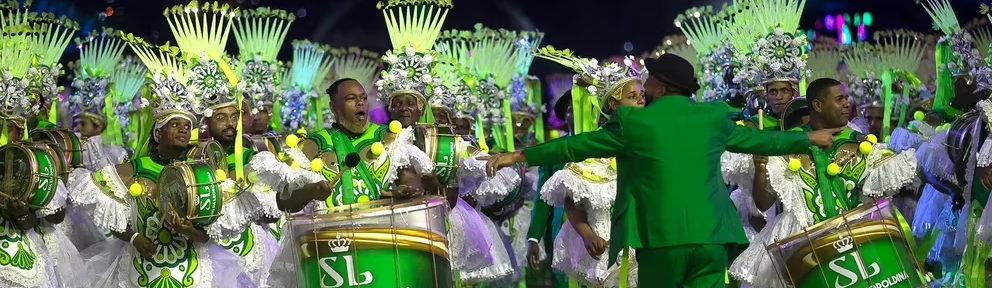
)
(237, 213)
(596, 194)
(888, 171)
(273, 176)
(737, 169)
(109, 206)
(472, 180)
(57, 203)
(788, 187)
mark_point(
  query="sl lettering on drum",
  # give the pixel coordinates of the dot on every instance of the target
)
(338, 246)
(849, 275)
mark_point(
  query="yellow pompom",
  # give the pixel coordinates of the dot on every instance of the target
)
(613, 163)
(301, 131)
(252, 177)
(740, 122)
(295, 165)
(795, 164)
(221, 175)
(316, 164)
(377, 148)
(292, 140)
(849, 186)
(136, 189)
(833, 169)
(395, 126)
(362, 199)
(919, 116)
(590, 160)
(555, 134)
(871, 138)
(864, 147)
(943, 127)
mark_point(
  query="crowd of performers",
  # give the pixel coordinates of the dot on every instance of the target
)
(94, 181)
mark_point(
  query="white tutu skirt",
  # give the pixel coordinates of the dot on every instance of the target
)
(469, 241)
(754, 266)
(80, 229)
(112, 260)
(571, 258)
(65, 259)
(504, 270)
(268, 242)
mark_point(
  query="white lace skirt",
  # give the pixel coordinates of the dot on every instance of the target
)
(571, 258)
(468, 239)
(504, 270)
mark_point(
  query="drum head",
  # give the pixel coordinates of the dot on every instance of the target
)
(191, 190)
(16, 161)
(66, 141)
(211, 153)
(172, 190)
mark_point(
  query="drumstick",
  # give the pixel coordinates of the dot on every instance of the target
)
(350, 161)
(761, 119)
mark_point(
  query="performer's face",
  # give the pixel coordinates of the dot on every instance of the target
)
(87, 127)
(778, 95)
(350, 107)
(260, 123)
(174, 134)
(405, 108)
(874, 116)
(832, 107)
(653, 89)
(222, 125)
(441, 116)
(632, 94)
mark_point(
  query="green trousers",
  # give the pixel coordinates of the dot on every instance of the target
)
(685, 266)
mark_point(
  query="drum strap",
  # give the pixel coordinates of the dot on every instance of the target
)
(343, 147)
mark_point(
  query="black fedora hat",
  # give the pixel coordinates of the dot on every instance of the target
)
(673, 71)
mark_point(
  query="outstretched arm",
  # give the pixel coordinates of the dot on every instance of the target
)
(603, 143)
(767, 143)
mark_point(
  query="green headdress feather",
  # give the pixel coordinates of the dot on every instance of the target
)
(15, 61)
(260, 33)
(356, 63)
(864, 81)
(414, 23)
(701, 28)
(56, 33)
(453, 67)
(99, 54)
(202, 32)
(823, 60)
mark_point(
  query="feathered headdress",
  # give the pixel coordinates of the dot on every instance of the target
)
(780, 52)
(99, 54)
(738, 22)
(49, 43)
(128, 77)
(457, 79)
(201, 33)
(524, 100)
(169, 77)
(311, 64)
(493, 55)
(260, 33)
(863, 81)
(356, 63)
(824, 60)
(16, 104)
(413, 27)
(704, 34)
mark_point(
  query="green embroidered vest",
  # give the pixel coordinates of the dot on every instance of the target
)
(361, 183)
(175, 263)
(829, 195)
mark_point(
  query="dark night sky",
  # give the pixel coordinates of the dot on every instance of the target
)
(593, 28)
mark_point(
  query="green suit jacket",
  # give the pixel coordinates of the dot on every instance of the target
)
(670, 190)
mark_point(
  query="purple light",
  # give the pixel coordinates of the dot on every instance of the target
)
(829, 21)
(861, 32)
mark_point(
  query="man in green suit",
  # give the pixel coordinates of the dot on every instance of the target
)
(672, 205)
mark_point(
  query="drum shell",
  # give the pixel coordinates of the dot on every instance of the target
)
(859, 248)
(439, 142)
(261, 143)
(374, 244)
(66, 140)
(35, 179)
(192, 190)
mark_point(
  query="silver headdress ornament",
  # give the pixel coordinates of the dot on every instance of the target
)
(15, 54)
(983, 39)
(493, 57)
(780, 52)
(863, 81)
(356, 63)
(414, 26)
(201, 32)
(99, 54)
(605, 79)
(738, 22)
(709, 53)
(169, 78)
(260, 33)
(311, 64)
(963, 54)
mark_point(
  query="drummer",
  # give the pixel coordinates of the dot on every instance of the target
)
(842, 168)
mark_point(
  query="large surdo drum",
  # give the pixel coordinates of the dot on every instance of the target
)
(438, 141)
(865, 247)
(377, 244)
(29, 174)
(66, 140)
(191, 190)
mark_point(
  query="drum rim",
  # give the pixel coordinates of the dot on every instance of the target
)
(417, 239)
(427, 202)
(33, 186)
(201, 146)
(833, 221)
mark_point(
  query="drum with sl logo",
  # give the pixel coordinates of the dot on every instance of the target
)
(28, 174)
(260, 143)
(864, 247)
(376, 244)
(438, 141)
(66, 140)
(60, 160)
(192, 190)
(209, 152)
